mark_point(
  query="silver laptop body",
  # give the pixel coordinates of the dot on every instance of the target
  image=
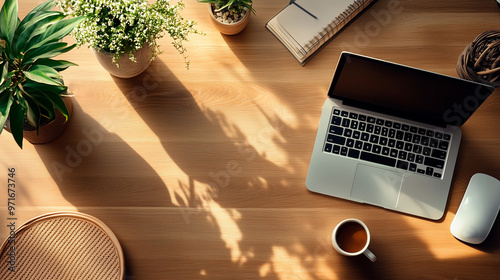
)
(369, 102)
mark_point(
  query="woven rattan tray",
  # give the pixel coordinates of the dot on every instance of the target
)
(62, 245)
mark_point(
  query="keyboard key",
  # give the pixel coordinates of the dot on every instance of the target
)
(350, 143)
(405, 127)
(425, 140)
(374, 139)
(443, 145)
(383, 141)
(437, 175)
(411, 157)
(416, 138)
(419, 159)
(386, 151)
(380, 122)
(336, 149)
(429, 171)
(367, 147)
(408, 137)
(343, 151)
(377, 129)
(421, 171)
(353, 116)
(413, 167)
(392, 133)
(400, 135)
(391, 143)
(417, 149)
(402, 165)
(394, 153)
(378, 159)
(356, 134)
(400, 145)
(437, 163)
(344, 114)
(371, 119)
(337, 130)
(347, 133)
(369, 128)
(336, 112)
(430, 133)
(354, 124)
(388, 123)
(336, 120)
(358, 145)
(421, 131)
(447, 137)
(336, 139)
(362, 118)
(328, 148)
(438, 154)
(362, 126)
(433, 143)
(439, 135)
(402, 155)
(396, 125)
(365, 136)
(426, 151)
(413, 129)
(353, 153)
(346, 122)
(377, 149)
(408, 147)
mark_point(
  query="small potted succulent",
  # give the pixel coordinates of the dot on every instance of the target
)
(32, 95)
(123, 34)
(230, 17)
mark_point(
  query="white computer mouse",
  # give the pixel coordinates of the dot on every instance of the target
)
(478, 210)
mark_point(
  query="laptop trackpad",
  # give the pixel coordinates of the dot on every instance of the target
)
(376, 185)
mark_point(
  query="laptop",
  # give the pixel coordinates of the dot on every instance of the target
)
(389, 135)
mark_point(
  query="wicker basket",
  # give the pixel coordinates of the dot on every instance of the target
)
(62, 245)
(480, 61)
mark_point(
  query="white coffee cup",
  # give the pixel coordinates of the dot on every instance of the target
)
(351, 237)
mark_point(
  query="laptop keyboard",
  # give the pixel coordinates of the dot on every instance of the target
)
(386, 142)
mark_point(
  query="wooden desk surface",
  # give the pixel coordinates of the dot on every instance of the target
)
(201, 172)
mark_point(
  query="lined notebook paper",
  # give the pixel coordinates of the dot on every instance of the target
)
(303, 33)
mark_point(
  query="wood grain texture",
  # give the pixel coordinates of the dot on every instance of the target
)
(201, 173)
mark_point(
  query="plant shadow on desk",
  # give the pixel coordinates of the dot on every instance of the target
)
(101, 175)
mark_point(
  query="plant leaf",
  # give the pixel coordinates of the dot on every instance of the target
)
(42, 74)
(16, 123)
(58, 65)
(5, 70)
(56, 32)
(47, 51)
(31, 29)
(32, 111)
(5, 104)
(42, 101)
(8, 20)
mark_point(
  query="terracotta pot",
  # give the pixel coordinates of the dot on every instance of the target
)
(50, 131)
(229, 28)
(128, 68)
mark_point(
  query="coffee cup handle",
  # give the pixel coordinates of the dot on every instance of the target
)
(370, 255)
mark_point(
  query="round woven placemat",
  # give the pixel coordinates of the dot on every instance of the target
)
(62, 245)
(480, 60)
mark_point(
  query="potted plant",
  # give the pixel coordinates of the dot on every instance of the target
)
(230, 17)
(123, 34)
(31, 88)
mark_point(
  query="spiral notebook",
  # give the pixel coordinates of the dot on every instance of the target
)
(305, 25)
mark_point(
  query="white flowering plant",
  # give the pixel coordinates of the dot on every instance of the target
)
(235, 6)
(124, 26)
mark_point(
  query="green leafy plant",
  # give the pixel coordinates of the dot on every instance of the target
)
(124, 26)
(235, 6)
(30, 84)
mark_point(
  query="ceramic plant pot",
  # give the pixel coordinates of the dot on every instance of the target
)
(47, 132)
(128, 68)
(231, 28)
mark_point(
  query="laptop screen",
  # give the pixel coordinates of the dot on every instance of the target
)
(405, 92)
